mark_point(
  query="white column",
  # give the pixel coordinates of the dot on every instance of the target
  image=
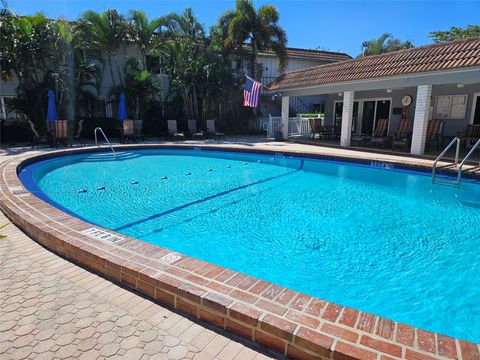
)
(285, 113)
(347, 119)
(420, 121)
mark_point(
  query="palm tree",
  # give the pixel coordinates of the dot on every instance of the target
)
(106, 33)
(258, 29)
(385, 43)
(186, 57)
(145, 34)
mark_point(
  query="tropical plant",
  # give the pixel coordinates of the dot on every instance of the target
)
(141, 87)
(36, 50)
(455, 33)
(383, 44)
(259, 30)
(106, 34)
(185, 58)
(146, 35)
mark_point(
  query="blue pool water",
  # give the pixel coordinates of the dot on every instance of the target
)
(380, 240)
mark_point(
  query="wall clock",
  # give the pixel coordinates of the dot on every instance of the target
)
(406, 100)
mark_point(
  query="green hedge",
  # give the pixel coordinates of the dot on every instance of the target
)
(321, 115)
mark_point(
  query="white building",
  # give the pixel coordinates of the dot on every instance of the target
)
(439, 81)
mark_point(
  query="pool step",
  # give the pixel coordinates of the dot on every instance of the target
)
(99, 157)
(445, 182)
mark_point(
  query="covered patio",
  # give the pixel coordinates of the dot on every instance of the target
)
(414, 100)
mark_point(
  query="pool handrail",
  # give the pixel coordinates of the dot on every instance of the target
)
(456, 140)
(105, 138)
(472, 150)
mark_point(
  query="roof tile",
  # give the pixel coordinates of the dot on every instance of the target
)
(445, 56)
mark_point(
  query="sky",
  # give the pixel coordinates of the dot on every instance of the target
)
(326, 25)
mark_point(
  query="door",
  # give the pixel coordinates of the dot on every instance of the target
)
(368, 117)
(476, 111)
(373, 110)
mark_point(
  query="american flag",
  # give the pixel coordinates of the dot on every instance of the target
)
(251, 91)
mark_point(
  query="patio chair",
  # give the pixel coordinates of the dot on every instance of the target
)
(193, 131)
(138, 130)
(403, 136)
(434, 133)
(212, 132)
(313, 128)
(472, 135)
(173, 130)
(380, 135)
(61, 132)
(128, 131)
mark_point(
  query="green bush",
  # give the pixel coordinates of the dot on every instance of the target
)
(320, 115)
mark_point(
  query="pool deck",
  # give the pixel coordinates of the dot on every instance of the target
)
(52, 309)
(291, 323)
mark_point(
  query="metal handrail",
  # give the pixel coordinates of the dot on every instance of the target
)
(105, 138)
(459, 175)
(455, 139)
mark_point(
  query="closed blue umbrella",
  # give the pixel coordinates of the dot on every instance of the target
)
(52, 111)
(122, 107)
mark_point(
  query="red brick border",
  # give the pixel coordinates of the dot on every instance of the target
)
(292, 323)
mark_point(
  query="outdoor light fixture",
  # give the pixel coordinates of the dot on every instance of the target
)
(389, 91)
(340, 94)
(460, 86)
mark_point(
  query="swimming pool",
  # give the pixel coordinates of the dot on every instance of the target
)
(380, 240)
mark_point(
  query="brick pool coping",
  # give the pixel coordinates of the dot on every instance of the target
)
(297, 325)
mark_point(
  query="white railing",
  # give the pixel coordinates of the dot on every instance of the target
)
(272, 125)
(297, 126)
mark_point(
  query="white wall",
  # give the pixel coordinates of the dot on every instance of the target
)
(452, 126)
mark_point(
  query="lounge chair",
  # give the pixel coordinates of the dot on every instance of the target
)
(471, 136)
(138, 130)
(403, 136)
(61, 132)
(380, 135)
(434, 133)
(173, 130)
(193, 131)
(128, 131)
(212, 132)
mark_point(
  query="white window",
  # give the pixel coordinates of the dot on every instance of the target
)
(451, 106)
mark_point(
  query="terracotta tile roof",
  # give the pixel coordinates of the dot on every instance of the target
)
(308, 54)
(451, 55)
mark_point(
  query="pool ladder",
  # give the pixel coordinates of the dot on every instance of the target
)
(457, 182)
(97, 129)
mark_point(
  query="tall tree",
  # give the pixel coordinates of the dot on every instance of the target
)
(186, 57)
(106, 33)
(455, 33)
(144, 34)
(257, 29)
(37, 50)
(383, 44)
